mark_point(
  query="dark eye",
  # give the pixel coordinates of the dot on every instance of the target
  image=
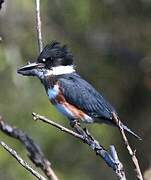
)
(48, 62)
(43, 60)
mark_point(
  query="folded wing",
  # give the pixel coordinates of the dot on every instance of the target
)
(81, 94)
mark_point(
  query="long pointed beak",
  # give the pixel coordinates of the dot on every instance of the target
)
(27, 67)
(28, 70)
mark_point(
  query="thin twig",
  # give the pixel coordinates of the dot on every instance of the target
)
(116, 159)
(85, 136)
(33, 150)
(130, 151)
(21, 161)
(47, 169)
(62, 128)
(38, 25)
(1, 2)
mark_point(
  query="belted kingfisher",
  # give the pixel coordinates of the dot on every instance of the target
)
(67, 91)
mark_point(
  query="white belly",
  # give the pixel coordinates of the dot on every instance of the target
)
(62, 109)
(66, 112)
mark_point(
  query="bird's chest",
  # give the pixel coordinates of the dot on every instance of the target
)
(53, 92)
(57, 99)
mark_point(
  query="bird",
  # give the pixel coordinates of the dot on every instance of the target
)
(71, 95)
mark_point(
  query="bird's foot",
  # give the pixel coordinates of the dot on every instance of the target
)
(74, 122)
(88, 134)
(76, 125)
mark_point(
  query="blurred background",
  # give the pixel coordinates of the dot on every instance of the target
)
(111, 43)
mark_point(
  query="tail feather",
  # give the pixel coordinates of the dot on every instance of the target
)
(116, 118)
(131, 132)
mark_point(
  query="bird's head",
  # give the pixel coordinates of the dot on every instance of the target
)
(53, 60)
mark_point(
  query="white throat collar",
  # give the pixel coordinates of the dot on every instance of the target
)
(59, 70)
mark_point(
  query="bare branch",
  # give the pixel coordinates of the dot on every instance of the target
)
(62, 128)
(38, 25)
(85, 136)
(48, 171)
(1, 2)
(21, 161)
(34, 152)
(130, 151)
(119, 169)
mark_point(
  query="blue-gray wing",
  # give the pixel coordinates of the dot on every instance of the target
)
(81, 94)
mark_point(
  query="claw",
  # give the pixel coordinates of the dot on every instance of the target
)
(73, 123)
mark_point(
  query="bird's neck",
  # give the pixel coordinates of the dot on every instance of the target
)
(60, 70)
(51, 77)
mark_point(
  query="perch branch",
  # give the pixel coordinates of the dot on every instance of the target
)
(38, 25)
(33, 150)
(21, 161)
(116, 159)
(1, 2)
(46, 168)
(130, 151)
(85, 136)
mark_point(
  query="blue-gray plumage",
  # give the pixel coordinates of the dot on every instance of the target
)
(68, 92)
(81, 94)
